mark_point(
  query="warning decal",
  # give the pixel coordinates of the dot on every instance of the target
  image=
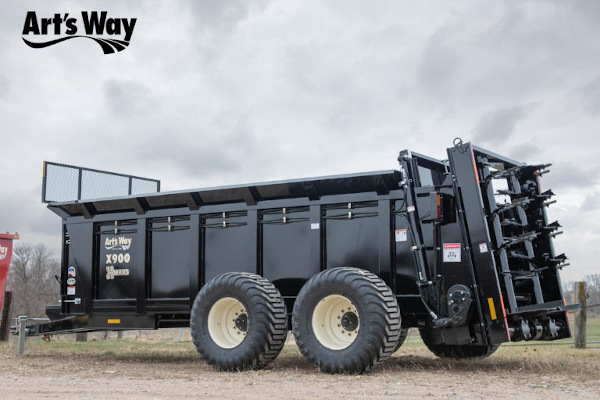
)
(451, 252)
(400, 235)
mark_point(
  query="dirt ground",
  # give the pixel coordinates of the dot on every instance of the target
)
(147, 368)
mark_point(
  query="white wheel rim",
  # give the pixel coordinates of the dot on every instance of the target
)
(335, 322)
(222, 326)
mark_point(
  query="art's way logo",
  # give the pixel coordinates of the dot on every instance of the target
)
(95, 24)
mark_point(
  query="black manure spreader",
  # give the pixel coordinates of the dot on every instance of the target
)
(460, 249)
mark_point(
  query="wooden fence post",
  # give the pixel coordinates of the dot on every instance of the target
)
(6, 317)
(581, 317)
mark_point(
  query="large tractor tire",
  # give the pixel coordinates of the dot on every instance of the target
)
(456, 351)
(403, 335)
(346, 320)
(239, 322)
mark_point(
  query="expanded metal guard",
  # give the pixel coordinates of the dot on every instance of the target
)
(63, 183)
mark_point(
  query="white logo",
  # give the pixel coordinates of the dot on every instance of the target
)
(118, 243)
(111, 272)
(3, 252)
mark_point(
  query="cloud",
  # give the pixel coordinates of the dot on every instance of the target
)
(22, 212)
(499, 125)
(591, 202)
(566, 175)
(206, 151)
(591, 95)
(527, 153)
(4, 86)
(222, 16)
(126, 98)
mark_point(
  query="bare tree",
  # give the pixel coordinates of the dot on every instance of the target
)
(31, 279)
(569, 291)
(593, 281)
(593, 292)
(568, 286)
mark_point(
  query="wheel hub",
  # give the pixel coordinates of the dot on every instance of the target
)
(241, 322)
(335, 322)
(350, 321)
(228, 322)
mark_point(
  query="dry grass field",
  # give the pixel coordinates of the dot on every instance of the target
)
(155, 365)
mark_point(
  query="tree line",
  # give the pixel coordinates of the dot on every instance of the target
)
(32, 281)
(593, 292)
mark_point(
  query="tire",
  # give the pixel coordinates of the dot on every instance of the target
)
(238, 322)
(361, 335)
(456, 351)
(403, 335)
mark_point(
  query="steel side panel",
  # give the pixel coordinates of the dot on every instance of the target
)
(285, 255)
(352, 242)
(120, 253)
(79, 244)
(228, 248)
(165, 269)
(171, 259)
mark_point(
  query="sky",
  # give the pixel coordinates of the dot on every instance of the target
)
(212, 93)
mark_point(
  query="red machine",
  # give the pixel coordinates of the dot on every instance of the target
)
(6, 242)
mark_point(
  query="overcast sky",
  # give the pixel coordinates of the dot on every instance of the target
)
(227, 92)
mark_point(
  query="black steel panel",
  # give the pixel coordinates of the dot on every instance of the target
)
(195, 247)
(286, 249)
(226, 246)
(78, 242)
(385, 230)
(171, 256)
(352, 236)
(117, 260)
(404, 260)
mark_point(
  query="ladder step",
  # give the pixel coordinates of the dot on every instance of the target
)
(523, 277)
(523, 298)
(516, 275)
